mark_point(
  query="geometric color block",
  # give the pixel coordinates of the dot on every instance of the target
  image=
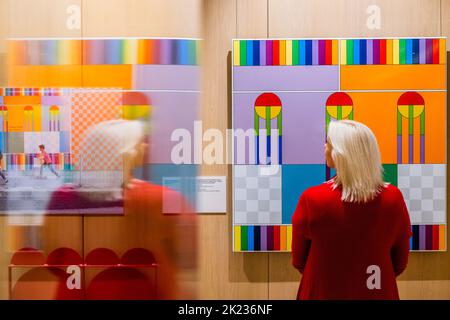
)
(15, 142)
(390, 174)
(257, 195)
(295, 180)
(424, 189)
(262, 238)
(49, 139)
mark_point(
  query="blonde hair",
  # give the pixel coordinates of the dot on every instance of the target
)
(357, 160)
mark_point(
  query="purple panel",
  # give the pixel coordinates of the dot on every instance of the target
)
(269, 57)
(57, 100)
(422, 237)
(273, 78)
(321, 52)
(263, 238)
(315, 52)
(94, 52)
(303, 125)
(411, 149)
(171, 111)
(399, 149)
(165, 51)
(376, 51)
(422, 51)
(166, 77)
(369, 51)
(262, 52)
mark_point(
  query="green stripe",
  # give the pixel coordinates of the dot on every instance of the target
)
(402, 51)
(295, 60)
(268, 121)
(327, 120)
(339, 113)
(422, 122)
(243, 52)
(244, 245)
(280, 124)
(411, 119)
(349, 52)
(191, 52)
(256, 123)
(350, 116)
(399, 122)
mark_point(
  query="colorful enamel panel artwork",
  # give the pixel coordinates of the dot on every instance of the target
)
(58, 89)
(285, 93)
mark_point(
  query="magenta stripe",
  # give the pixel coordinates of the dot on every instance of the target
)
(399, 148)
(321, 52)
(269, 60)
(376, 51)
(411, 149)
(422, 148)
(369, 50)
(262, 52)
(315, 52)
(263, 238)
(429, 51)
(422, 51)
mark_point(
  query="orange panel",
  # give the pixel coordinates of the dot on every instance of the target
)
(109, 76)
(401, 77)
(44, 76)
(378, 110)
(21, 100)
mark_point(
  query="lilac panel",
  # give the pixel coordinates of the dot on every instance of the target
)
(369, 51)
(262, 52)
(166, 77)
(273, 78)
(315, 52)
(171, 111)
(303, 125)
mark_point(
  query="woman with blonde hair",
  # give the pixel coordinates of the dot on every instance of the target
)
(351, 234)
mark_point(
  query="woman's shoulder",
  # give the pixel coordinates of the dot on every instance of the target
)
(320, 192)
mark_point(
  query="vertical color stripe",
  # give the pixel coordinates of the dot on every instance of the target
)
(363, 52)
(295, 53)
(244, 238)
(256, 61)
(349, 52)
(429, 51)
(257, 238)
(289, 52)
(283, 238)
(422, 237)
(442, 239)
(289, 238)
(243, 53)
(249, 52)
(395, 51)
(435, 51)
(282, 52)
(308, 52)
(402, 51)
(376, 51)
(389, 51)
(315, 52)
(369, 50)
(269, 238)
(334, 49)
(383, 51)
(250, 235)
(237, 238)
(302, 52)
(269, 55)
(343, 52)
(422, 51)
(322, 52)
(276, 52)
(415, 237)
(435, 237)
(263, 238)
(429, 237)
(415, 51)
(409, 51)
(442, 51)
(356, 52)
(276, 238)
(262, 52)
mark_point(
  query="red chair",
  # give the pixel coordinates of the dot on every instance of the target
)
(44, 284)
(64, 257)
(102, 257)
(121, 283)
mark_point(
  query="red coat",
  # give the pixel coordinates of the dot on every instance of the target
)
(334, 243)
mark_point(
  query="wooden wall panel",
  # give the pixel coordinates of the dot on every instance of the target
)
(347, 18)
(223, 274)
(142, 18)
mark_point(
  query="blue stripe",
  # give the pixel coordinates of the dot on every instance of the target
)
(249, 52)
(183, 52)
(113, 51)
(363, 52)
(416, 53)
(409, 50)
(268, 160)
(308, 52)
(257, 237)
(251, 240)
(301, 52)
(256, 53)
(355, 51)
(280, 150)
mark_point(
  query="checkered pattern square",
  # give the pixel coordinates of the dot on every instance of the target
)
(90, 107)
(424, 189)
(257, 195)
(50, 140)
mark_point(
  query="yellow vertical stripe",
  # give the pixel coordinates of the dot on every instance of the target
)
(395, 51)
(130, 53)
(236, 53)
(442, 51)
(343, 51)
(389, 51)
(289, 238)
(283, 238)
(282, 52)
(237, 238)
(334, 52)
(442, 240)
(289, 52)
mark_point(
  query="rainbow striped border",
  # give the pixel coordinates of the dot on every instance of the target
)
(130, 51)
(285, 52)
(428, 238)
(262, 238)
(392, 51)
(50, 92)
(26, 161)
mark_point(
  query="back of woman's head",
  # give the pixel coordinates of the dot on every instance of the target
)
(357, 160)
